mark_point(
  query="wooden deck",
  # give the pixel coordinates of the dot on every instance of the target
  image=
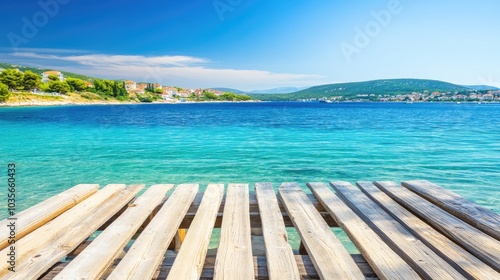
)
(416, 230)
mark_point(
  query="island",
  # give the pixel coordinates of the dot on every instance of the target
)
(29, 86)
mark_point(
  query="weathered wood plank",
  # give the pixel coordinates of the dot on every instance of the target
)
(304, 263)
(191, 257)
(234, 256)
(38, 215)
(422, 259)
(254, 205)
(96, 258)
(477, 216)
(36, 265)
(154, 240)
(255, 221)
(481, 245)
(280, 260)
(51, 231)
(329, 256)
(386, 263)
(447, 249)
(254, 212)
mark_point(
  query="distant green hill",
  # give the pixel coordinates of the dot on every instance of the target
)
(377, 87)
(41, 70)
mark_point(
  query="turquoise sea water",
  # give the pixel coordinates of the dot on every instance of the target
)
(54, 148)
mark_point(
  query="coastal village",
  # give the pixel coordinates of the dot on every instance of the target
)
(54, 83)
(425, 96)
(167, 93)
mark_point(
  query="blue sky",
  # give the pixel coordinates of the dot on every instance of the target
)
(256, 44)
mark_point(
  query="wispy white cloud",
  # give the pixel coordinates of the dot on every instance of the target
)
(117, 60)
(179, 70)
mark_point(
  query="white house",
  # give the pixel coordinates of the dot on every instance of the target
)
(46, 74)
(130, 85)
(169, 91)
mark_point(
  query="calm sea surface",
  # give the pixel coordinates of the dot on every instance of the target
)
(54, 148)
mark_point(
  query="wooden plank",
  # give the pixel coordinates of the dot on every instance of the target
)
(483, 246)
(255, 221)
(422, 259)
(51, 231)
(96, 258)
(280, 260)
(234, 256)
(477, 216)
(191, 257)
(38, 215)
(43, 259)
(329, 256)
(146, 253)
(254, 205)
(462, 260)
(304, 263)
(384, 261)
(254, 212)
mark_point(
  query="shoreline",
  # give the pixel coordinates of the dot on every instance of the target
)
(62, 103)
(52, 103)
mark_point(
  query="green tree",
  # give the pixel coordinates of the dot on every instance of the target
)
(159, 91)
(243, 97)
(148, 97)
(4, 92)
(97, 85)
(76, 84)
(44, 87)
(116, 89)
(53, 77)
(108, 87)
(144, 99)
(119, 91)
(30, 80)
(104, 87)
(228, 96)
(150, 88)
(210, 96)
(58, 86)
(12, 78)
